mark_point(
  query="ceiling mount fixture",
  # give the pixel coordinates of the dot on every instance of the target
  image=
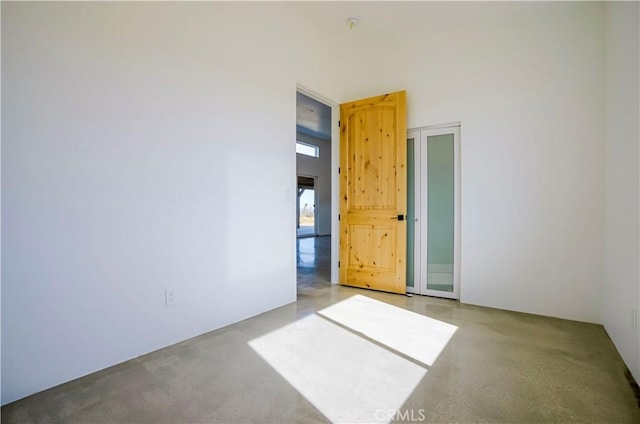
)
(352, 23)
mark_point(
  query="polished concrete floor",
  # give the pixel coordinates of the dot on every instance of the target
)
(306, 231)
(348, 355)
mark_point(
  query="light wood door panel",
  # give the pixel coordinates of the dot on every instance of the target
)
(373, 193)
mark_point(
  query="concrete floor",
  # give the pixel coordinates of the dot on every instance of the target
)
(306, 231)
(305, 362)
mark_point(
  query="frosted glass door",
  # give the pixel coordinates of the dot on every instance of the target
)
(433, 211)
(440, 190)
(414, 284)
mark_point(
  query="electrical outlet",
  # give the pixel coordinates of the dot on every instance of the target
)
(169, 297)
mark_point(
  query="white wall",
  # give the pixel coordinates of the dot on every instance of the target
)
(318, 167)
(622, 224)
(526, 80)
(126, 161)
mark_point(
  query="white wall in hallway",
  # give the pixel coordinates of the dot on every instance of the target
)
(526, 80)
(126, 159)
(319, 167)
(622, 223)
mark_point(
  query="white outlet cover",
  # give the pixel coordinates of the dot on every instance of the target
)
(169, 297)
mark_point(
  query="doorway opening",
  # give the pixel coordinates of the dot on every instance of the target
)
(307, 222)
(314, 179)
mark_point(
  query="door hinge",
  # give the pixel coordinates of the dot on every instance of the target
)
(338, 170)
(338, 217)
(338, 124)
(338, 264)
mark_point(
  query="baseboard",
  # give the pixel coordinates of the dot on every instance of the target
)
(633, 384)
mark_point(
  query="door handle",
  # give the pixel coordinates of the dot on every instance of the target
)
(399, 217)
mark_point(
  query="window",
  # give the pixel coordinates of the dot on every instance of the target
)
(307, 149)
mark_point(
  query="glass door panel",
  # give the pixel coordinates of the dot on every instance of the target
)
(440, 212)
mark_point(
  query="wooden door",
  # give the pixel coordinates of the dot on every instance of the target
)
(373, 193)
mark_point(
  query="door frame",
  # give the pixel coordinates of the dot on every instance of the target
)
(335, 163)
(420, 177)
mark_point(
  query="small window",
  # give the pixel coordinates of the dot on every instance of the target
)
(307, 149)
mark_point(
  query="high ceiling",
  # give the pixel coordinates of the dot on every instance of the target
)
(398, 20)
(312, 117)
(413, 27)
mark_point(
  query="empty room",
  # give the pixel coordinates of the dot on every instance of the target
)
(468, 250)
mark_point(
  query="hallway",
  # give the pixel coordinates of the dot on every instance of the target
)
(348, 355)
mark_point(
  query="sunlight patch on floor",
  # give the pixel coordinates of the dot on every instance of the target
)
(417, 336)
(346, 377)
